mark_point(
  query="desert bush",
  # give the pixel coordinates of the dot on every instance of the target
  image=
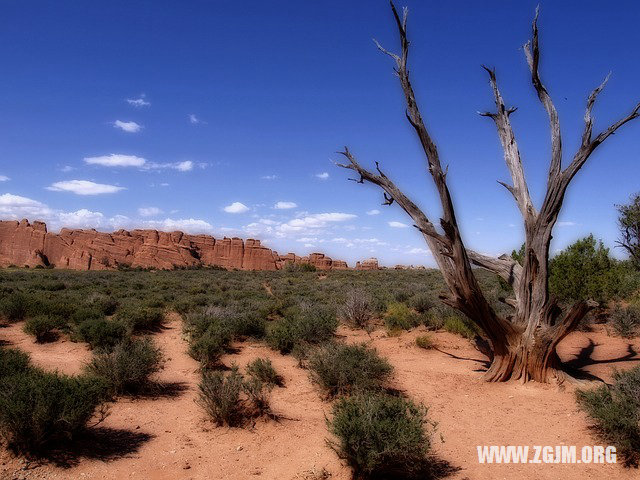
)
(262, 370)
(400, 317)
(101, 333)
(625, 320)
(211, 345)
(426, 342)
(460, 326)
(42, 327)
(257, 393)
(356, 310)
(15, 306)
(312, 326)
(616, 412)
(127, 368)
(13, 361)
(341, 369)
(141, 319)
(380, 435)
(39, 408)
(219, 396)
(421, 302)
(85, 313)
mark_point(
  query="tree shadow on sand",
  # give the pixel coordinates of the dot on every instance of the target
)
(96, 443)
(432, 468)
(584, 358)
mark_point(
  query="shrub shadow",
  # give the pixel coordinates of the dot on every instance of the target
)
(432, 468)
(97, 443)
(157, 390)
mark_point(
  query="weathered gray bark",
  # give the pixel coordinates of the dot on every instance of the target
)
(523, 344)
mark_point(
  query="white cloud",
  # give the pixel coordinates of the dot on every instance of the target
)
(16, 207)
(398, 225)
(323, 175)
(313, 222)
(187, 225)
(4, 178)
(185, 166)
(566, 224)
(149, 211)
(236, 207)
(130, 127)
(373, 212)
(138, 102)
(269, 177)
(82, 218)
(116, 160)
(83, 187)
(67, 168)
(421, 251)
(194, 120)
(285, 205)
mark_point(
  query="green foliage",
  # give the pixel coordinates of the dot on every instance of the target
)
(141, 319)
(629, 224)
(518, 256)
(581, 271)
(262, 370)
(307, 326)
(299, 267)
(426, 342)
(38, 408)
(625, 320)
(13, 361)
(460, 326)
(128, 366)
(400, 317)
(14, 307)
(342, 369)
(616, 412)
(422, 302)
(379, 435)
(101, 333)
(42, 327)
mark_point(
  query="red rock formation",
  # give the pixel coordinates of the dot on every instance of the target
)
(24, 244)
(368, 264)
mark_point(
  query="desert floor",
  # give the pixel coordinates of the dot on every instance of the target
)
(168, 437)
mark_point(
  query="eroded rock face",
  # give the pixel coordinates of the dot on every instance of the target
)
(368, 264)
(29, 244)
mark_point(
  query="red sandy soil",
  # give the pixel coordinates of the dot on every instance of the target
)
(168, 437)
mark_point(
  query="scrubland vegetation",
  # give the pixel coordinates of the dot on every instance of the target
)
(376, 430)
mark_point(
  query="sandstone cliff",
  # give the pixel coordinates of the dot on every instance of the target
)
(30, 244)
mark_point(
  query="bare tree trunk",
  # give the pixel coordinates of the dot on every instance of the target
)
(524, 343)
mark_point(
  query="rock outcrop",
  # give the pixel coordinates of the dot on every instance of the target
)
(368, 264)
(30, 244)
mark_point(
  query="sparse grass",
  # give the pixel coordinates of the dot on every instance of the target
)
(616, 413)
(400, 317)
(262, 370)
(625, 320)
(380, 436)
(425, 341)
(356, 310)
(460, 326)
(343, 369)
(312, 326)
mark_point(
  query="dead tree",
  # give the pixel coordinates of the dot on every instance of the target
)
(524, 343)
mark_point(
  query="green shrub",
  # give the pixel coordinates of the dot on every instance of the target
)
(379, 435)
(42, 327)
(101, 333)
(460, 326)
(400, 317)
(127, 368)
(310, 326)
(211, 345)
(426, 342)
(13, 361)
(257, 393)
(141, 319)
(341, 369)
(625, 320)
(15, 307)
(262, 370)
(616, 412)
(38, 409)
(219, 396)
(356, 310)
(421, 302)
(85, 313)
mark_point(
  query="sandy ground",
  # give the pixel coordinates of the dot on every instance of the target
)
(168, 437)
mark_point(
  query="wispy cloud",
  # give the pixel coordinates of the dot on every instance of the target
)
(194, 120)
(83, 187)
(269, 177)
(67, 168)
(398, 225)
(313, 222)
(149, 211)
(4, 178)
(373, 212)
(285, 205)
(236, 207)
(130, 127)
(138, 102)
(116, 160)
(566, 224)
(322, 176)
(187, 225)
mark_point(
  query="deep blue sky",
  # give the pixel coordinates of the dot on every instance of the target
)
(276, 87)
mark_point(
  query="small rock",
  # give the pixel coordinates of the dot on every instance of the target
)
(239, 448)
